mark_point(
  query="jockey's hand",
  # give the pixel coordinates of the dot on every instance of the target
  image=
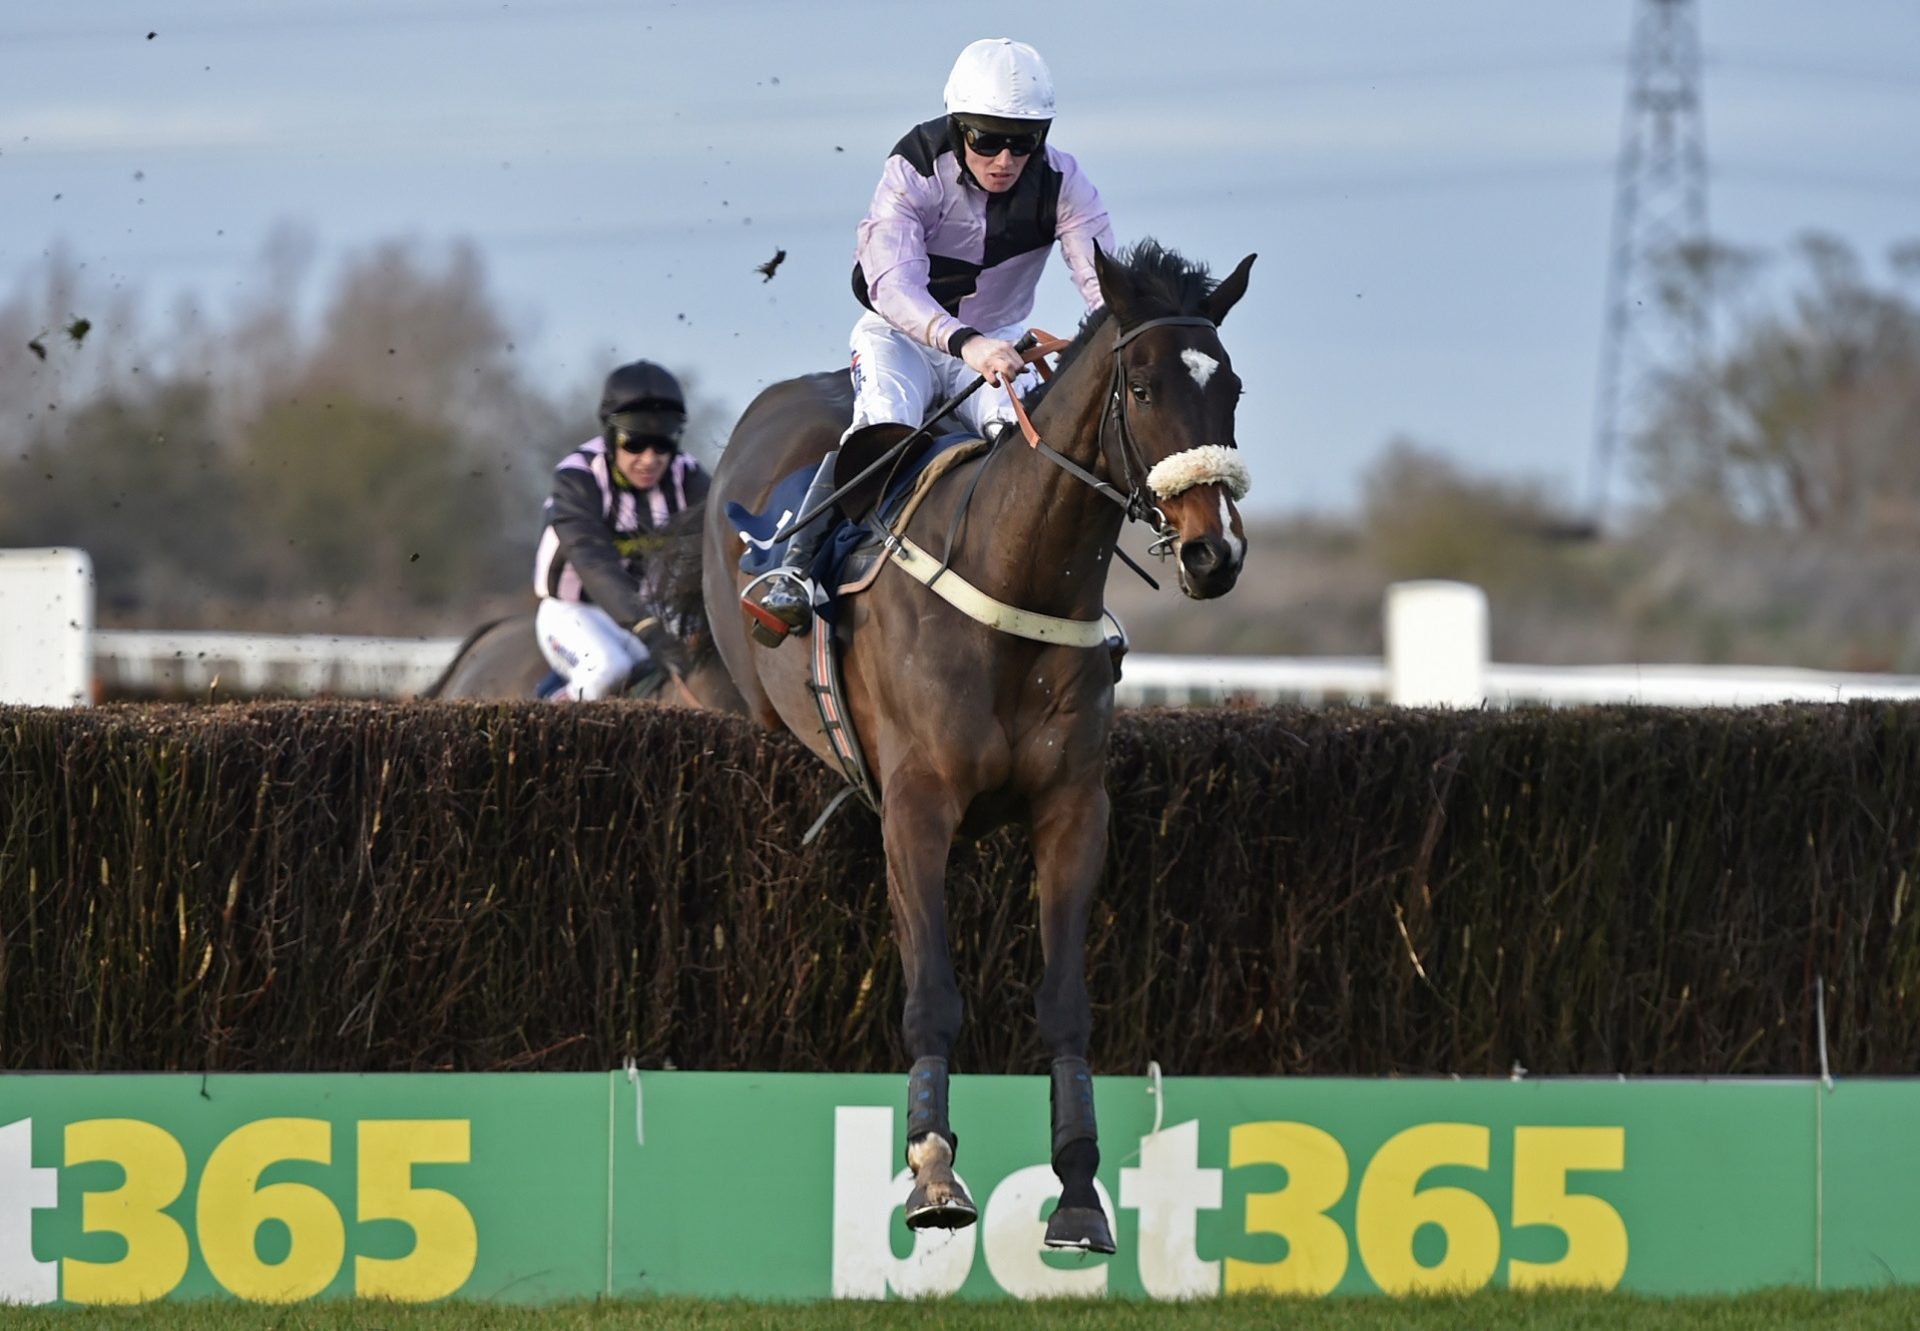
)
(661, 644)
(992, 358)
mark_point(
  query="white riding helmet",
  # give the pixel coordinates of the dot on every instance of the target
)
(999, 77)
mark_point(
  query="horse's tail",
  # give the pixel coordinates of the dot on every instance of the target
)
(466, 644)
(682, 604)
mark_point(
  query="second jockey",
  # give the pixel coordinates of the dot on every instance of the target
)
(946, 263)
(612, 499)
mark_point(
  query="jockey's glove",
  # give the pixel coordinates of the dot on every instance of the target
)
(662, 645)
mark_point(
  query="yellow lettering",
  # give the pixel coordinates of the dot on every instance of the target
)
(445, 1243)
(232, 1206)
(1317, 1172)
(1596, 1235)
(1392, 1207)
(156, 1172)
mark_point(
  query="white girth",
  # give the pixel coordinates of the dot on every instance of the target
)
(976, 604)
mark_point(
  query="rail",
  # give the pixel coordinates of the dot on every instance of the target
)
(145, 664)
(243, 665)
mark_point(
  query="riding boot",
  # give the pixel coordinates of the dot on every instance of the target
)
(785, 604)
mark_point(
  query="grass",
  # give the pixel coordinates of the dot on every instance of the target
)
(1866, 1310)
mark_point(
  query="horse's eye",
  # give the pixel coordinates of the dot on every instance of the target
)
(1140, 393)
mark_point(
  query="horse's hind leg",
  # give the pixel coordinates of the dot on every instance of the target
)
(920, 816)
(1070, 845)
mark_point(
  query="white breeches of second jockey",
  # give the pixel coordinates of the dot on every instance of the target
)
(897, 379)
(595, 655)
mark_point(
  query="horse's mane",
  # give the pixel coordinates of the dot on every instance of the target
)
(1165, 284)
(681, 604)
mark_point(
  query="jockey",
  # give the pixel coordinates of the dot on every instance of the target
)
(612, 499)
(946, 262)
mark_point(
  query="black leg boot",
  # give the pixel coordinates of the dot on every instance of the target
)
(1078, 1221)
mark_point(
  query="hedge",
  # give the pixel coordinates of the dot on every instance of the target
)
(335, 886)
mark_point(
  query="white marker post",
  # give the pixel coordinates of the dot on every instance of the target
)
(46, 627)
(1436, 644)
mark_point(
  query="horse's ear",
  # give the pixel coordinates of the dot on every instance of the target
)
(1116, 287)
(1225, 296)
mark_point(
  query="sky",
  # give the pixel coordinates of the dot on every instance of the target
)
(1429, 186)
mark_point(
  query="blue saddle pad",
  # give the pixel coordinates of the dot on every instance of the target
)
(765, 532)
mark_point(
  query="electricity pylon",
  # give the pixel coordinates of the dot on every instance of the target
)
(1656, 317)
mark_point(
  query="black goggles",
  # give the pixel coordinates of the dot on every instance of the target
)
(989, 143)
(645, 443)
(639, 431)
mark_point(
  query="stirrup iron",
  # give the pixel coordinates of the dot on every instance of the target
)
(766, 626)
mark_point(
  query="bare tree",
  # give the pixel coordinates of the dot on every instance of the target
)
(378, 466)
(1809, 420)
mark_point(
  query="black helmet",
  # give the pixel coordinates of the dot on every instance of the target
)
(643, 401)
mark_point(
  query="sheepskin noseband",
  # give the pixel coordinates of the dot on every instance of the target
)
(1213, 464)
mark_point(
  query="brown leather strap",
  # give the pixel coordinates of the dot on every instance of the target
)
(1044, 345)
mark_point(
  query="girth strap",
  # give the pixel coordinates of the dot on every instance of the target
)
(969, 600)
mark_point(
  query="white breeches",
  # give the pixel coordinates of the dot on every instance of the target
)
(896, 379)
(595, 655)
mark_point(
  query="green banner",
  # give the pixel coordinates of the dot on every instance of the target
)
(534, 1187)
(280, 1188)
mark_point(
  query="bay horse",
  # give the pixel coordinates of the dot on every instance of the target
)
(966, 727)
(501, 661)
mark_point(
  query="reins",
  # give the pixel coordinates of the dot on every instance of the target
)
(1137, 502)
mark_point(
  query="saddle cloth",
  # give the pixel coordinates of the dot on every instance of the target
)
(835, 568)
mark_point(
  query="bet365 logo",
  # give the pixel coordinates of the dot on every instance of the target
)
(1391, 1202)
(144, 1249)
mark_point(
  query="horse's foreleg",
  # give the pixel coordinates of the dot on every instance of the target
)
(919, 820)
(1070, 846)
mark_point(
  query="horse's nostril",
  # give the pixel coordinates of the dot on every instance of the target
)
(1200, 557)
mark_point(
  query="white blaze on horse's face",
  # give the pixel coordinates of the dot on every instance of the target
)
(1236, 542)
(1200, 365)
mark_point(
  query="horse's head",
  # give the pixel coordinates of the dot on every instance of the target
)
(1176, 392)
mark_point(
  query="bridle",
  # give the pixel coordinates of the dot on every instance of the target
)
(1125, 458)
(1132, 460)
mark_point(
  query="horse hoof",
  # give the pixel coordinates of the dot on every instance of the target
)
(1081, 1227)
(940, 1207)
